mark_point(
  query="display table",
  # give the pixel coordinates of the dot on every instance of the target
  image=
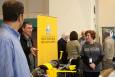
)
(54, 72)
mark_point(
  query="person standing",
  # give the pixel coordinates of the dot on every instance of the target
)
(109, 51)
(73, 49)
(92, 55)
(27, 44)
(81, 41)
(62, 47)
(82, 38)
(13, 62)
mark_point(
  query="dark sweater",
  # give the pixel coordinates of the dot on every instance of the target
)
(62, 47)
(93, 51)
(25, 47)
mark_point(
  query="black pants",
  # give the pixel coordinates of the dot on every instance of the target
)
(31, 61)
(76, 62)
(91, 74)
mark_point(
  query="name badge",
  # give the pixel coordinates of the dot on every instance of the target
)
(90, 60)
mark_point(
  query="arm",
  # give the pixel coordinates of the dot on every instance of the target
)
(25, 47)
(84, 57)
(78, 47)
(67, 50)
(109, 49)
(100, 56)
(6, 59)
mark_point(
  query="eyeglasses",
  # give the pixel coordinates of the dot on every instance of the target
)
(29, 28)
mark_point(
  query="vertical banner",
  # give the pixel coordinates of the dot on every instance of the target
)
(46, 39)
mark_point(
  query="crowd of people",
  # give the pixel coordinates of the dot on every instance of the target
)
(90, 56)
(18, 53)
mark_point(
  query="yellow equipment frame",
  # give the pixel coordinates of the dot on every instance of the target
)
(53, 72)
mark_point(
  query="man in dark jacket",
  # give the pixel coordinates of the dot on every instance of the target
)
(62, 48)
(27, 44)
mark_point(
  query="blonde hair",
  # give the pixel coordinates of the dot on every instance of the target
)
(65, 36)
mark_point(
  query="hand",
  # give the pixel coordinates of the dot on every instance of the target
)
(33, 51)
(92, 65)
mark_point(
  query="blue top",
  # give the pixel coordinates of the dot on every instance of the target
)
(13, 62)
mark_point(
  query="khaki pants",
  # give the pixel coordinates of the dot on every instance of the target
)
(107, 64)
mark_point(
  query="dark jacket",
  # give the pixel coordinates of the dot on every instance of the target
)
(62, 47)
(23, 41)
(25, 47)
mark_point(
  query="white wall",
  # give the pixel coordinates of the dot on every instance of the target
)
(106, 13)
(1, 2)
(32, 8)
(72, 15)
(38, 7)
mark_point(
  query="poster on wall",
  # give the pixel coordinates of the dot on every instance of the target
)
(46, 39)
